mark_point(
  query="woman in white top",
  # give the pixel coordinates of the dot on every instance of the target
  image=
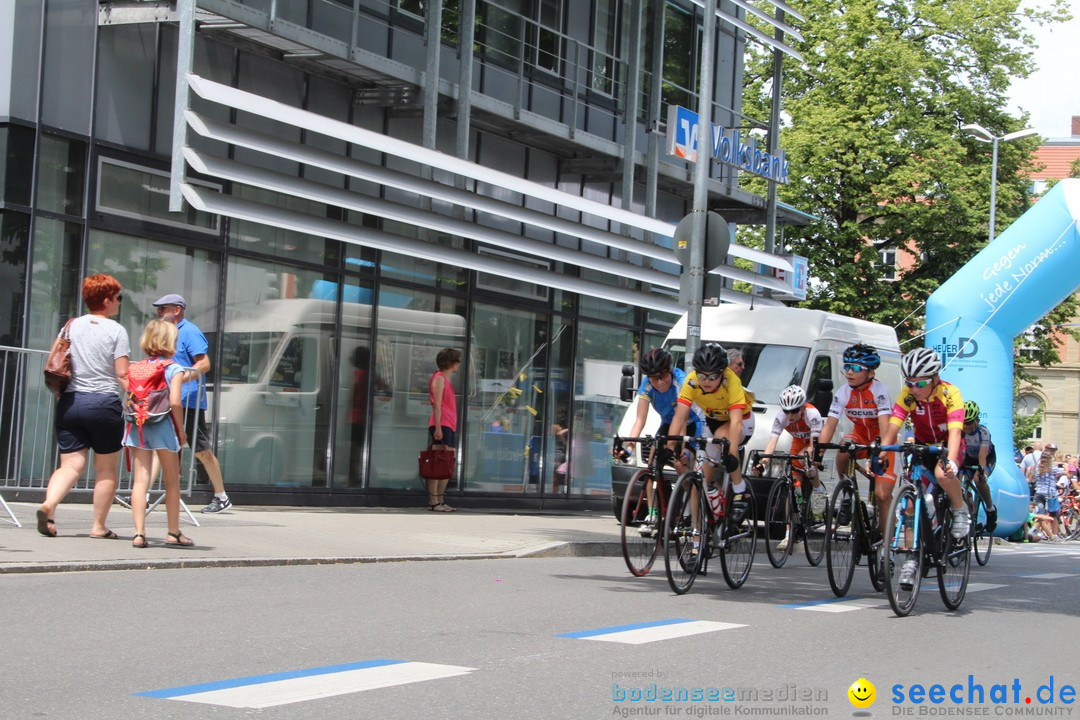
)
(89, 415)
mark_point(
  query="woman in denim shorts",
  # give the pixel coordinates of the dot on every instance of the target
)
(89, 415)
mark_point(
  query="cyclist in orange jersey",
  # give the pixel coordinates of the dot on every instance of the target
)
(867, 403)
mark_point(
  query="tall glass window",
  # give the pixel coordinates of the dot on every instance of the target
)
(357, 383)
(602, 350)
(61, 170)
(14, 242)
(507, 418)
(277, 376)
(16, 161)
(55, 282)
(410, 330)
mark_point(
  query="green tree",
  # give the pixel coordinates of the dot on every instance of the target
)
(872, 132)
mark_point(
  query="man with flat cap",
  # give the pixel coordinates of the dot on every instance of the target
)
(191, 348)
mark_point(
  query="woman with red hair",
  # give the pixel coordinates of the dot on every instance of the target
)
(89, 415)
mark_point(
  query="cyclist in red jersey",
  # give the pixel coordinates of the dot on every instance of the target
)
(803, 422)
(866, 402)
(936, 411)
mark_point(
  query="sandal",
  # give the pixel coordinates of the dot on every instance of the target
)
(108, 535)
(440, 507)
(45, 524)
(180, 540)
(135, 541)
(447, 508)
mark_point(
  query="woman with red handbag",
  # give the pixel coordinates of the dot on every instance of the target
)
(442, 426)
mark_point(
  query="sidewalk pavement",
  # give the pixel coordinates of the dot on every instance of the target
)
(253, 536)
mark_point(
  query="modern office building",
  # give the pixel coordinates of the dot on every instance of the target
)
(363, 187)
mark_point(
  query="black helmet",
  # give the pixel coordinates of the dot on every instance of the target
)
(710, 358)
(863, 354)
(656, 362)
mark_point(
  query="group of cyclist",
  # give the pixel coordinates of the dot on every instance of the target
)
(712, 396)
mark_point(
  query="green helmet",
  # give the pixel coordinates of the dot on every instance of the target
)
(971, 411)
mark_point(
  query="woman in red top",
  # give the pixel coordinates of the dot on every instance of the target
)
(442, 425)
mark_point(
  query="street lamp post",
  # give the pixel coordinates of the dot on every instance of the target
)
(983, 135)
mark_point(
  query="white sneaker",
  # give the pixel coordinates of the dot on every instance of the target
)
(961, 523)
(782, 545)
(648, 527)
(907, 574)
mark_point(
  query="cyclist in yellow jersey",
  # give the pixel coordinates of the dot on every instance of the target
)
(718, 392)
(936, 411)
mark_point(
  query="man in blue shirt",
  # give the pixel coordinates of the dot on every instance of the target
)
(191, 348)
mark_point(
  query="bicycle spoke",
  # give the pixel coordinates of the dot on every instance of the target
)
(954, 564)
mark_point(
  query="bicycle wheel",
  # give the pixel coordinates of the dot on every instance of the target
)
(841, 540)
(902, 544)
(681, 563)
(1070, 522)
(982, 541)
(955, 564)
(815, 530)
(640, 542)
(739, 541)
(779, 525)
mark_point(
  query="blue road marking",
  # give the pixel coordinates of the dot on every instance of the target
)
(621, 628)
(260, 679)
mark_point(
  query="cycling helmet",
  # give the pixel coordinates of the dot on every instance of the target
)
(863, 355)
(656, 362)
(920, 362)
(792, 397)
(710, 358)
(971, 411)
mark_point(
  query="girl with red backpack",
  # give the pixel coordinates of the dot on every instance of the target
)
(155, 424)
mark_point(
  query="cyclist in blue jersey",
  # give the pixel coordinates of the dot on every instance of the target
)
(660, 385)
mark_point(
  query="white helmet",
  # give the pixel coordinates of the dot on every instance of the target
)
(792, 397)
(920, 362)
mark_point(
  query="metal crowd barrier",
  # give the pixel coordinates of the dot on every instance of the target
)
(28, 453)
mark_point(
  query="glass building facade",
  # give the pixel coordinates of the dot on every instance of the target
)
(327, 272)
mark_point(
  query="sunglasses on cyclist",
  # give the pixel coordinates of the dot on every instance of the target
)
(854, 367)
(708, 377)
(658, 376)
(796, 411)
(920, 384)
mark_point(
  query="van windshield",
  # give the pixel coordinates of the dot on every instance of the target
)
(245, 355)
(769, 368)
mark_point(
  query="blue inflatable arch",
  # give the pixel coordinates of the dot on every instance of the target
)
(973, 318)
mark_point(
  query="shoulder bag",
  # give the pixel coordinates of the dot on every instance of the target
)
(58, 364)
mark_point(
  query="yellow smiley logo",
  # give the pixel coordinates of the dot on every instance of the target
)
(862, 693)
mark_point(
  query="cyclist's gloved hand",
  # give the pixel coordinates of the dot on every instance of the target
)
(950, 467)
(878, 464)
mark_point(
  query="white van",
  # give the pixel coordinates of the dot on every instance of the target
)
(273, 390)
(782, 346)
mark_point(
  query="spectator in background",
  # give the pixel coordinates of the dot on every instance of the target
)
(191, 348)
(560, 431)
(89, 415)
(1046, 497)
(442, 425)
(1028, 465)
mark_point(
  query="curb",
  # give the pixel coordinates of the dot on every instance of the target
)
(547, 550)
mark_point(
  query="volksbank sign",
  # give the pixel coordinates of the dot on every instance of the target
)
(728, 146)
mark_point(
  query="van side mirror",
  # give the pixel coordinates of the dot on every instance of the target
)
(823, 393)
(627, 386)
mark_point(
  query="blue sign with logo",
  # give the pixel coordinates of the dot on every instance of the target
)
(729, 146)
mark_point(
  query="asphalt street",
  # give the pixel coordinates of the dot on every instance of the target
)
(529, 638)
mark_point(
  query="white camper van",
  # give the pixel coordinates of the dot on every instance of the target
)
(781, 346)
(274, 388)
